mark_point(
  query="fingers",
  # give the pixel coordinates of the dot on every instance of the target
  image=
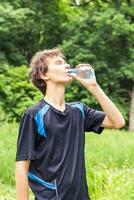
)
(83, 65)
(75, 77)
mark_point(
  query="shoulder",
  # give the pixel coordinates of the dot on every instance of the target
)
(35, 109)
(77, 106)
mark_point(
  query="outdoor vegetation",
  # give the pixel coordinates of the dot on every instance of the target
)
(99, 32)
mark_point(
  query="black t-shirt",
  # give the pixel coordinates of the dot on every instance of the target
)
(54, 142)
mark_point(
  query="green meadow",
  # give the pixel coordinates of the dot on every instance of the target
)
(109, 164)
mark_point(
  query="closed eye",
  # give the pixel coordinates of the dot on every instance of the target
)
(59, 62)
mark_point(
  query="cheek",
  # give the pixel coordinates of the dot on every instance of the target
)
(55, 70)
(56, 75)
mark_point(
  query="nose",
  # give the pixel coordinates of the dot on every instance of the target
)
(67, 67)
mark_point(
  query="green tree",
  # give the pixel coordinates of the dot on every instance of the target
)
(15, 34)
(104, 38)
(99, 32)
(27, 26)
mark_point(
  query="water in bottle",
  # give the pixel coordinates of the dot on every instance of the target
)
(83, 72)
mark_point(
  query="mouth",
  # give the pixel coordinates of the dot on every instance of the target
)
(67, 71)
(68, 74)
(67, 68)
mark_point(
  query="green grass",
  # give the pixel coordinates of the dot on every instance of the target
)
(109, 164)
(8, 140)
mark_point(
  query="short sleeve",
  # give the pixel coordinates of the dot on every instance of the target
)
(93, 120)
(26, 138)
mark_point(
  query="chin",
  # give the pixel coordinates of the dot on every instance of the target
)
(65, 81)
(69, 81)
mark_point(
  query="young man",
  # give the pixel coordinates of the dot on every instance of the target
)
(50, 148)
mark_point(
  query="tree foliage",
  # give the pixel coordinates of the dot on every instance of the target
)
(105, 39)
(97, 32)
(17, 92)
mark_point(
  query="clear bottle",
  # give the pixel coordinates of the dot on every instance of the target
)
(84, 72)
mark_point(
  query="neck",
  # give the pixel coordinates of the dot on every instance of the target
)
(55, 96)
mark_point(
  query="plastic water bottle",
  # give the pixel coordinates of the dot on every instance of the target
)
(83, 72)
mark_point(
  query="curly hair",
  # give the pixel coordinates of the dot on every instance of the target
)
(39, 66)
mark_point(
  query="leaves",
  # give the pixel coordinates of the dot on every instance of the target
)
(99, 32)
(17, 93)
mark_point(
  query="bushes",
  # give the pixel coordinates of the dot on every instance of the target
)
(17, 92)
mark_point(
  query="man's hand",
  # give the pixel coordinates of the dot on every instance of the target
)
(87, 83)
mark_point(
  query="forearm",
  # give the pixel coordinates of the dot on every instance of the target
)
(22, 187)
(107, 105)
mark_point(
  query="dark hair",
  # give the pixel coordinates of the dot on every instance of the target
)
(39, 66)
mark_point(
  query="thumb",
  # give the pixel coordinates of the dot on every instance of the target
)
(74, 76)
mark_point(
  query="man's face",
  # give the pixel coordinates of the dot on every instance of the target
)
(58, 70)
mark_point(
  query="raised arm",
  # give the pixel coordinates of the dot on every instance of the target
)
(113, 118)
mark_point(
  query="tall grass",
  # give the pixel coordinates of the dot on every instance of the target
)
(8, 137)
(109, 164)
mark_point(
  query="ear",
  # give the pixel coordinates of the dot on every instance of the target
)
(45, 77)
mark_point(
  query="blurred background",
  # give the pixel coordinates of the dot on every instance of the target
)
(99, 32)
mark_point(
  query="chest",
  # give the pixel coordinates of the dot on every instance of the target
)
(60, 124)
